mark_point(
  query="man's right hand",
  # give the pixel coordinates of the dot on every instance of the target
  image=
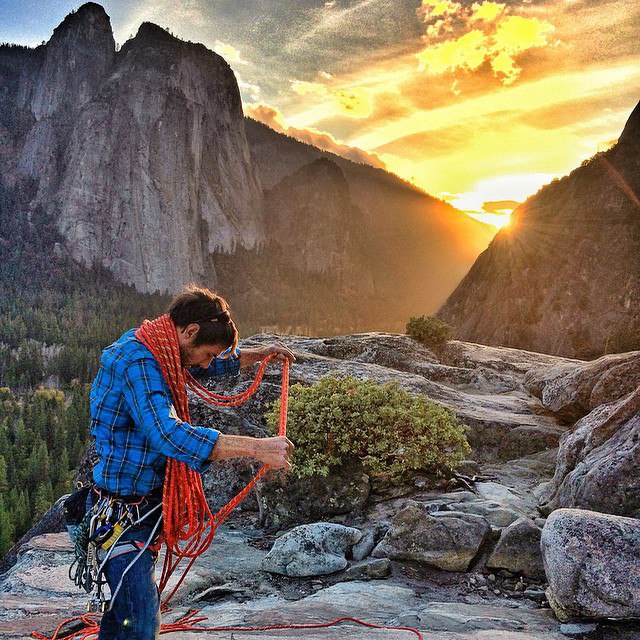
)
(275, 452)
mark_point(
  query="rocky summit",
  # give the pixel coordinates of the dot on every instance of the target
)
(564, 276)
(470, 556)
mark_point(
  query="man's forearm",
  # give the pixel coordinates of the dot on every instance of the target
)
(274, 451)
(233, 447)
(249, 356)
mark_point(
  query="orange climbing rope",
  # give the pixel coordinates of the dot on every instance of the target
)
(188, 524)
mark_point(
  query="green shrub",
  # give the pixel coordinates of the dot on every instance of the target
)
(342, 420)
(429, 331)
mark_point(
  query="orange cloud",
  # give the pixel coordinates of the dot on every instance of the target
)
(500, 206)
(488, 11)
(437, 8)
(485, 32)
(354, 102)
(272, 117)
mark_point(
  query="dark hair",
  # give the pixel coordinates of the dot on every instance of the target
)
(197, 305)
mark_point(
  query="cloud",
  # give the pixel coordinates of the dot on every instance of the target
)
(500, 206)
(229, 53)
(272, 117)
(437, 8)
(487, 11)
(355, 102)
(303, 88)
(252, 89)
(472, 36)
(466, 52)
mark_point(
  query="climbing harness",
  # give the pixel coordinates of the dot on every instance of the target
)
(98, 537)
(189, 526)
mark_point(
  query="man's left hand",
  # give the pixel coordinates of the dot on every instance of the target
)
(281, 350)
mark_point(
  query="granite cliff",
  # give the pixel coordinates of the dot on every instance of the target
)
(144, 160)
(564, 277)
(140, 154)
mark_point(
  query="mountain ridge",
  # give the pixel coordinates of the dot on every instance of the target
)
(564, 277)
(149, 169)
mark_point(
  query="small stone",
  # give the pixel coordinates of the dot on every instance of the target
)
(569, 629)
(420, 483)
(496, 591)
(503, 573)
(535, 594)
(483, 588)
(377, 569)
(491, 577)
(365, 546)
(519, 586)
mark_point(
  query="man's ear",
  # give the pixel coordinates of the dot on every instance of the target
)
(191, 331)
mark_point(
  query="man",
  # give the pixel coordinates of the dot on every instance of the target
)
(136, 428)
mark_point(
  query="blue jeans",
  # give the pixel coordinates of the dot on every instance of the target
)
(135, 614)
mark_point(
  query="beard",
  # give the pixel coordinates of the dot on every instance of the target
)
(185, 353)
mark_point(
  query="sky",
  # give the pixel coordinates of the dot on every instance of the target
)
(477, 102)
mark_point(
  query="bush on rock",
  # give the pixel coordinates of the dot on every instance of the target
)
(429, 331)
(387, 431)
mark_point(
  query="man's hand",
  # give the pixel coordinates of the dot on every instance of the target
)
(249, 356)
(274, 452)
(281, 350)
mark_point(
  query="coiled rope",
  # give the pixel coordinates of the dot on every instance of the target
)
(189, 525)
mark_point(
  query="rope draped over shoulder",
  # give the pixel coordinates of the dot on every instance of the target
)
(189, 525)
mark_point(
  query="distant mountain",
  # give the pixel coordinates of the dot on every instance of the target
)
(415, 247)
(142, 159)
(564, 278)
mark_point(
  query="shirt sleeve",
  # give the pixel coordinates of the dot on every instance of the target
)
(221, 366)
(149, 400)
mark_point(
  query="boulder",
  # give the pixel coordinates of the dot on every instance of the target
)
(597, 465)
(495, 513)
(518, 550)
(311, 550)
(448, 540)
(527, 439)
(293, 501)
(572, 390)
(592, 562)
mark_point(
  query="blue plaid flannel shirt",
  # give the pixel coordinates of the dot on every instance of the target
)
(135, 425)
